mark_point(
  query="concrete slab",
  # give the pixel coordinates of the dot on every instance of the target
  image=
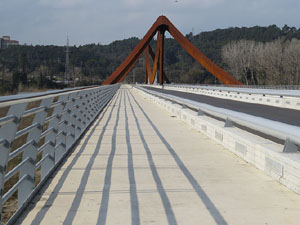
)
(140, 165)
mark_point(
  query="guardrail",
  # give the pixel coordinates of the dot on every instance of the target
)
(288, 133)
(261, 90)
(265, 87)
(37, 133)
(273, 97)
(281, 162)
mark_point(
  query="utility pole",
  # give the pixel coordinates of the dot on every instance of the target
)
(67, 78)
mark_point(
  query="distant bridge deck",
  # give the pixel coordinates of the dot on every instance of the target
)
(139, 165)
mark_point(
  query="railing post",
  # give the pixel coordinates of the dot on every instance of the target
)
(79, 117)
(88, 106)
(60, 146)
(101, 97)
(71, 129)
(7, 134)
(48, 163)
(61, 140)
(28, 169)
(83, 111)
(96, 102)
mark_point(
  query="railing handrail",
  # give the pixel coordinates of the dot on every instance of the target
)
(251, 90)
(30, 95)
(272, 128)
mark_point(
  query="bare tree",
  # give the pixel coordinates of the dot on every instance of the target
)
(273, 63)
(238, 55)
(258, 67)
(230, 56)
(273, 60)
(291, 61)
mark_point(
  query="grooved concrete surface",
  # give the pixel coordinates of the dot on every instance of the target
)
(139, 165)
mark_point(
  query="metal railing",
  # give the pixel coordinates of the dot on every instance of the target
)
(37, 133)
(288, 133)
(288, 91)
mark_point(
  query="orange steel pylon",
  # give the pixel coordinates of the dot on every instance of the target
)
(161, 25)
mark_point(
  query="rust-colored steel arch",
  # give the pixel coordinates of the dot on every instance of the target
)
(161, 25)
(153, 57)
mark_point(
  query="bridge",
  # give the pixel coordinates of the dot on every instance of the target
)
(151, 154)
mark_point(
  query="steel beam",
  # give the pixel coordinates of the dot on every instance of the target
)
(162, 24)
(161, 55)
(153, 56)
(147, 64)
(137, 51)
(211, 67)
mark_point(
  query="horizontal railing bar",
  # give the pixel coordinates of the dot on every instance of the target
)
(62, 132)
(63, 112)
(60, 143)
(44, 94)
(21, 149)
(61, 122)
(34, 111)
(44, 146)
(48, 119)
(54, 104)
(15, 169)
(46, 132)
(67, 101)
(14, 188)
(42, 160)
(26, 130)
(256, 91)
(7, 119)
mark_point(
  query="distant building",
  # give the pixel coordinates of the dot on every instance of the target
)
(6, 42)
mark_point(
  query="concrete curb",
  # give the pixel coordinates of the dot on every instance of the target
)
(264, 99)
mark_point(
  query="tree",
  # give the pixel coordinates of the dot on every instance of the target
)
(291, 61)
(22, 61)
(238, 55)
(273, 60)
(274, 63)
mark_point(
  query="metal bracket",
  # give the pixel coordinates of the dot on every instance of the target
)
(200, 112)
(290, 147)
(228, 123)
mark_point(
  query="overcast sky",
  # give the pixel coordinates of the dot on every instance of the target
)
(47, 22)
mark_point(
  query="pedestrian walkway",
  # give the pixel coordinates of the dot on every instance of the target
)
(139, 165)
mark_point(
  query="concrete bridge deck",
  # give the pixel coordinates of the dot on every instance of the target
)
(139, 165)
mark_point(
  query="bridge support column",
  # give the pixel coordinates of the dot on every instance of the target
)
(161, 56)
(147, 63)
(166, 79)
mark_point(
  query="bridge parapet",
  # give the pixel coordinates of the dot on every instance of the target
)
(280, 159)
(37, 133)
(272, 97)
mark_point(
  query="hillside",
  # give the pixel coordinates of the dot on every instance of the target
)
(40, 65)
